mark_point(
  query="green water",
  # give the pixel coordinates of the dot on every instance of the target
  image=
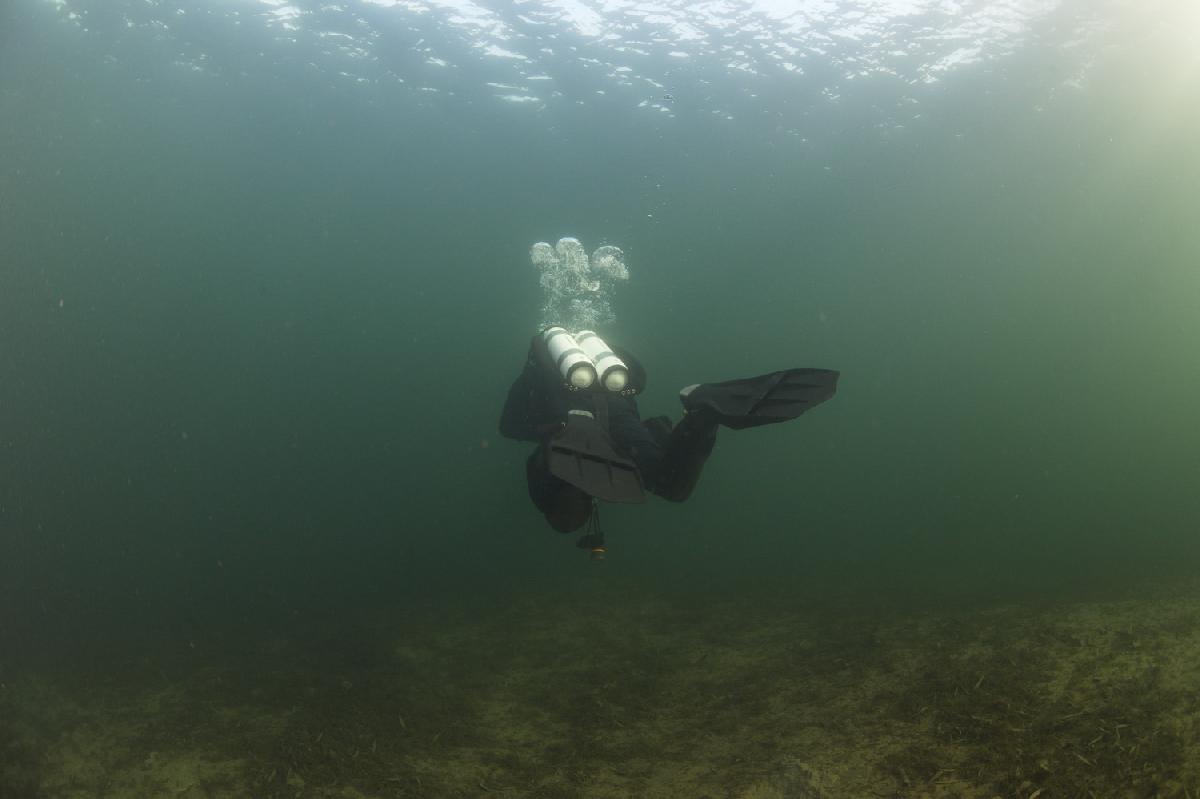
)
(264, 282)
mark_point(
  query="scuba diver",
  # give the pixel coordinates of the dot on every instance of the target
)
(575, 398)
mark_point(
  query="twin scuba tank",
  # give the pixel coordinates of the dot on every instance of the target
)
(584, 361)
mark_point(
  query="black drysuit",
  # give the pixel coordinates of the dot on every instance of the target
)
(669, 459)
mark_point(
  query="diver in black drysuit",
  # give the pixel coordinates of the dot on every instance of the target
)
(668, 458)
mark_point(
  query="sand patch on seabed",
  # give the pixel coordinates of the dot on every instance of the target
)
(649, 698)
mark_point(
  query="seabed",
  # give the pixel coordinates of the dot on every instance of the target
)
(619, 693)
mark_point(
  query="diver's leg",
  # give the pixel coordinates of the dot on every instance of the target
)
(737, 404)
(565, 507)
(670, 459)
(685, 449)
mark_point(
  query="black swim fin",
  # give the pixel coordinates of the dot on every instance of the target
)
(582, 455)
(767, 399)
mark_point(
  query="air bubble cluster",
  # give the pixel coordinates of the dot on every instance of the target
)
(578, 290)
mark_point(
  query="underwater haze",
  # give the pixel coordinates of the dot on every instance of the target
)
(265, 281)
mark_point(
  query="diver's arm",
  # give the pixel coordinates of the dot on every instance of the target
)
(523, 412)
(532, 410)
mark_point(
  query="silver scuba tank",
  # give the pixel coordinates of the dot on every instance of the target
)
(577, 369)
(611, 370)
